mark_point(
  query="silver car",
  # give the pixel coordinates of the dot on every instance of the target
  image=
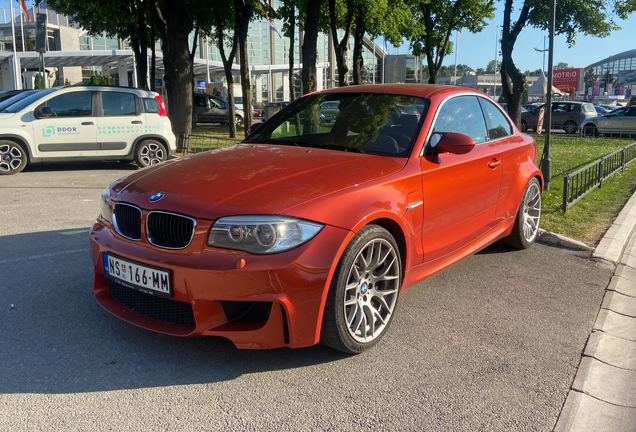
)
(211, 109)
(621, 121)
(565, 115)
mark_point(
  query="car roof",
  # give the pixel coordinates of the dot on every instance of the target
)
(421, 90)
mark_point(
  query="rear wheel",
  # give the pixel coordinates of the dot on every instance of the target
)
(570, 127)
(150, 152)
(239, 121)
(526, 227)
(13, 158)
(590, 130)
(364, 292)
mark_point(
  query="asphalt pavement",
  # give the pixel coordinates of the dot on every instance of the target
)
(492, 343)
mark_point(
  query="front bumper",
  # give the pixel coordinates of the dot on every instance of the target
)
(209, 280)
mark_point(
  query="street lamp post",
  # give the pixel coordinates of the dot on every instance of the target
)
(494, 86)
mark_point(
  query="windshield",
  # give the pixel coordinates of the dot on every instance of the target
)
(380, 124)
(20, 105)
(15, 98)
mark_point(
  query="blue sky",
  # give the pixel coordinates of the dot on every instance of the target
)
(476, 50)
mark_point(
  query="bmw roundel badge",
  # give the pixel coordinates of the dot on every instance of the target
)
(156, 197)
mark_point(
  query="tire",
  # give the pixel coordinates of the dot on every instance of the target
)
(150, 152)
(13, 157)
(239, 121)
(590, 130)
(524, 126)
(366, 298)
(526, 227)
(570, 127)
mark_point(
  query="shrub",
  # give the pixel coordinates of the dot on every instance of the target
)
(105, 80)
(93, 80)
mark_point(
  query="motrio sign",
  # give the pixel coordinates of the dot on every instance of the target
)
(567, 79)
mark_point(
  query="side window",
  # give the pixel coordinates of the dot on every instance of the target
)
(151, 106)
(215, 103)
(77, 104)
(118, 104)
(199, 101)
(498, 125)
(462, 115)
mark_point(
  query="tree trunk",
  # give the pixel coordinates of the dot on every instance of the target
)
(244, 11)
(153, 50)
(309, 48)
(340, 47)
(513, 82)
(358, 36)
(175, 26)
(227, 67)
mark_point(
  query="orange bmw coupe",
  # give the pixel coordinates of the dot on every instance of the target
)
(308, 231)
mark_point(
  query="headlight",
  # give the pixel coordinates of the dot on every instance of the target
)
(106, 204)
(261, 234)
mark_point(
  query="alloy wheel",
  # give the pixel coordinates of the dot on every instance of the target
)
(531, 211)
(371, 290)
(151, 154)
(11, 157)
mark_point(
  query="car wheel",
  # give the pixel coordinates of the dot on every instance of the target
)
(150, 152)
(13, 158)
(363, 293)
(570, 127)
(590, 130)
(526, 227)
(524, 126)
(239, 121)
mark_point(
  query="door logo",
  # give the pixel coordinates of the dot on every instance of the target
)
(48, 131)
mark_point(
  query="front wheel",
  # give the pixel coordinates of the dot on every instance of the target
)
(13, 158)
(524, 126)
(590, 130)
(526, 227)
(239, 121)
(363, 293)
(150, 152)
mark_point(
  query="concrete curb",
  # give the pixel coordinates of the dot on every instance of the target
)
(603, 394)
(561, 241)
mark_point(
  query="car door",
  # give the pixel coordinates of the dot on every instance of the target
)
(120, 123)
(201, 108)
(218, 111)
(460, 190)
(71, 129)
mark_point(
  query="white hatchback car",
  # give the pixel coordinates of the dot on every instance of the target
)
(82, 123)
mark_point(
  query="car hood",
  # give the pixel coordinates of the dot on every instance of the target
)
(250, 179)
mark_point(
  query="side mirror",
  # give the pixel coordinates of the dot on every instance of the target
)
(253, 128)
(43, 112)
(451, 142)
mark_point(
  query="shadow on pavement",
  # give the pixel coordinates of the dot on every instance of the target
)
(81, 166)
(56, 339)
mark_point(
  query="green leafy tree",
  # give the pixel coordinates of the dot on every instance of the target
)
(66, 81)
(288, 11)
(561, 65)
(593, 18)
(439, 19)
(104, 80)
(93, 80)
(38, 81)
(493, 66)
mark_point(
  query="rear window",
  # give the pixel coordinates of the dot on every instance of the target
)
(152, 106)
(588, 108)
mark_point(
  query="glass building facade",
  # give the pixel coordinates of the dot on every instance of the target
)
(612, 76)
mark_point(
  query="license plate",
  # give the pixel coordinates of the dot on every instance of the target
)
(140, 277)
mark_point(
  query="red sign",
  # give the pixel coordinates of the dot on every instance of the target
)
(566, 79)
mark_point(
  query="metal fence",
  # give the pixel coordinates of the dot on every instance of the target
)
(199, 143)
(578, 184)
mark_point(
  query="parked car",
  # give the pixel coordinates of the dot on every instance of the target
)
(300, 236)
(505, 107)
(272, 108)
(7, 102)
(621, 121)
(211, 109)
(329, 111)
(601, 110)
(565, 115)
(257, 111)
(85, 122)
(7, 94)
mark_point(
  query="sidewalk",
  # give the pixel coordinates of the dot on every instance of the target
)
(603, 395)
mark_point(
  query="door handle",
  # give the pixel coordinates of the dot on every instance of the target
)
(136, 122)
(495, 164)
(87, 123)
